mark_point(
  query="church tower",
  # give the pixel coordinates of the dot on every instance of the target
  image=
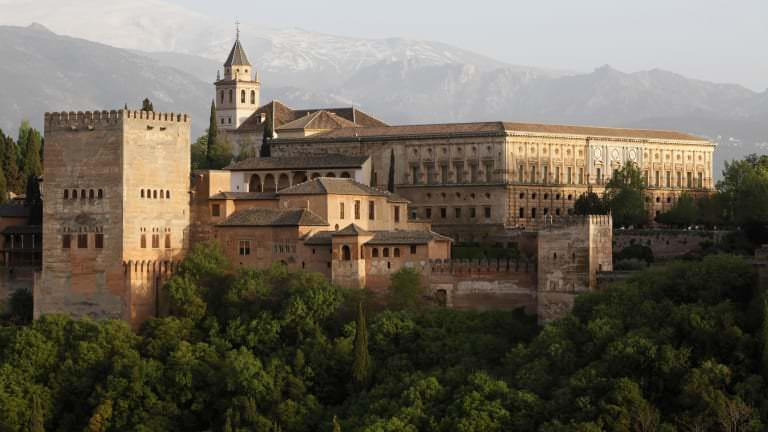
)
(237, 94)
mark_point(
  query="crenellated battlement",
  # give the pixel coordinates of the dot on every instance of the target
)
(482, 266)
(89, 120)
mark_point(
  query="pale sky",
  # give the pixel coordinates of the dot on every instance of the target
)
(715, 40)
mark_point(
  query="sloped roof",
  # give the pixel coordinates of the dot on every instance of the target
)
(237, 55)
(274, 217)
(302, 163)
(318, 120)
(14, 211)
(244, 195)
(332, 185)
(498, 129)
(320, 238)
(350, 230)
(22, 229)
(405, 237)
(279, 114)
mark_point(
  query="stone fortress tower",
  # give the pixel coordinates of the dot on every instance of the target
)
(116, 212)
(237, 95)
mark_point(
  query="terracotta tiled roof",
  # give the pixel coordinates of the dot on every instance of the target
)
(335, 186)
(274, 217)
(350, 230)
(244, 195)
(237, 55)
(498, 129)
(320, 238)
(279, 115)
(405, 237)
(318, 120)
(304, 162)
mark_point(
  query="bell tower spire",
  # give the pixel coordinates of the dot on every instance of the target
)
(237, 93)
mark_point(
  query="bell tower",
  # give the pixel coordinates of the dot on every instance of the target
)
(237, 94)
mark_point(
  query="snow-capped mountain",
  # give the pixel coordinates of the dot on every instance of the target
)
(284, 55)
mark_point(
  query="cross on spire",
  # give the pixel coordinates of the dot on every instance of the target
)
(237, 29)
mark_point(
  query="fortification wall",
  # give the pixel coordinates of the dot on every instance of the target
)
(484, 284)
(667, 243)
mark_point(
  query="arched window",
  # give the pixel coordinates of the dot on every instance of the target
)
(100, 194)
(167, 194)
(142, 193)
(230, 95)
(385, 252)
(397, 252)
(222, 96)
(91, 194)
(66, 193)
(154, 194)
(242, 96)
(253, 97)
(346, 254)
(375, 253)
(74, 193)
(82, 194)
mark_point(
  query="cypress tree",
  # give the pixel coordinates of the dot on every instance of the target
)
(10, 165)
(391, 178)
(146, 105)
(362, 365)
(36, 419)
(34, 201)
(764, 336)
(3, 187)
(213, 135)
(32, 165)
(265, 149)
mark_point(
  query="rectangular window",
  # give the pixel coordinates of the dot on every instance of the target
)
(155, 241)
(569, 173)
(533, 213)
(415, 174)
(98, 241)
(688, 177)
(701, 180)
(66, 241)
(397, 214)
(357, 210)
(443, 212)
(167, 241)
(647, 178)
(521, 212)
(679, 179)
(459, 172)
(215, 210)
(557, 175)
(545, 176)
(472, 212)
(444, 173)
(428, 212)
(533, 174)
(473, 173)
(413, 250)
(669, 179)
(143, 241)
(430, 174)
(457, 212)
(599, 176)
(658, 179)
(245, 247)
(488, 172)
(371, 210)
(82, 241)
(581, 175)
(521, 173)
(341, 210)
(487, 211)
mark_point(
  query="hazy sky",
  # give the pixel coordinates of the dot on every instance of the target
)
(716, 40)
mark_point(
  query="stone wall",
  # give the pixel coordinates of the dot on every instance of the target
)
(667, 243)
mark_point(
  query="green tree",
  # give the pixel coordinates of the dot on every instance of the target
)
(199, 150)
(625, 196)
(146, 105)
(34, 201)
(31, 154)
(213, 136)
(391, 176)
(744, 190)
(406, 289)
(362, 365)
(684, 213)
(10, 165)
(3, 184)
(266, 150)
(589, 203)
(36, 415)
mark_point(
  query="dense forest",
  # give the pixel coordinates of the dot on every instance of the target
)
(678, 347)
(20, 160)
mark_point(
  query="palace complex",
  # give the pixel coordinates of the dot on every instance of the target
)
(341, 193)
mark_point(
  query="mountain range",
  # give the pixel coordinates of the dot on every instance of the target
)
(130, 54)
